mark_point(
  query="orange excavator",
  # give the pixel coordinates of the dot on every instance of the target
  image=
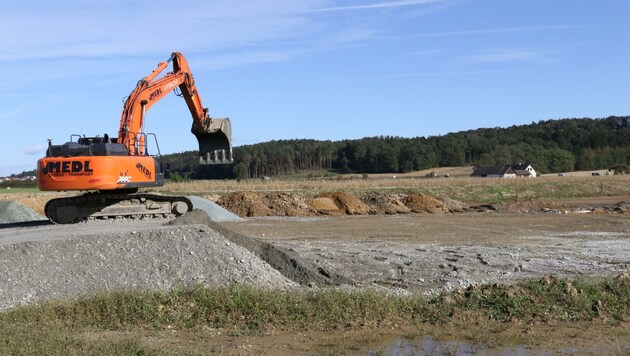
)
(112, 169)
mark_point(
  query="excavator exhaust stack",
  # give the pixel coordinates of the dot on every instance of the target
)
(215, 142)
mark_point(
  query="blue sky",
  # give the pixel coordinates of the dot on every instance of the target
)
(322, 69)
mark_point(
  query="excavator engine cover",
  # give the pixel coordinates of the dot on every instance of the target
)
(215, 143)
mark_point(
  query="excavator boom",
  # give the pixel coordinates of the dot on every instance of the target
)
(214, 135)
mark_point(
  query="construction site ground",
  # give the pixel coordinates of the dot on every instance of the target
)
(444, 247)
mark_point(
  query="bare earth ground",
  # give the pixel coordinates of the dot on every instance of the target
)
(430, 253)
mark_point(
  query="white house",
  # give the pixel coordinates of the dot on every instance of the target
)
(506, 171)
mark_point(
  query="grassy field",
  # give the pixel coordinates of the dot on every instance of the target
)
(15, 190)
(118, 323)
(465, 189)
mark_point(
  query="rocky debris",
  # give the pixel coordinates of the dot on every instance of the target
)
(454, 206)
(347, 203)
(381, 203)
(13, 212)
(157, 259)
(621, 207)
(194, 217)
(288, 204)
(487, 208)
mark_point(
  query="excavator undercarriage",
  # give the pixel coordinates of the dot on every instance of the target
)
(91, 206)
(113, 176)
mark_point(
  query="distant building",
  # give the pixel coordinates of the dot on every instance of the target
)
(506, 171)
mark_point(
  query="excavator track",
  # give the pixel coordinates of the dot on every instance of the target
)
(92, 206)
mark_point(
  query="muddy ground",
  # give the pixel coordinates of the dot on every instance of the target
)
(435, 251)
(430, 253)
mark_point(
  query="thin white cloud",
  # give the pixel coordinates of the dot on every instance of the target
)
(509, 55)
(131, 29)
(419, 74)
(380, 5)
(499, 30)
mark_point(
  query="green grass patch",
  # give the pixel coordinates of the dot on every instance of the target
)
(10, 190)
(63, 326)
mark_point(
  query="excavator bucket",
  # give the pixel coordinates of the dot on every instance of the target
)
(215, 144)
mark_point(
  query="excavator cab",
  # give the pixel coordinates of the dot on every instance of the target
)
(215, 142)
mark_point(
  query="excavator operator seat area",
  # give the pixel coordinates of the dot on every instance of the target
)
(215, 143)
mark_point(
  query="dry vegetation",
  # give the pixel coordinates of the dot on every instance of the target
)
(465, 189)
(459, 188)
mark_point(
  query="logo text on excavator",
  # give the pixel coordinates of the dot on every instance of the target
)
(67, 167)
(144, 170)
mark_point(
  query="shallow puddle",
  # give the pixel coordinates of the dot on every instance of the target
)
(431, 346)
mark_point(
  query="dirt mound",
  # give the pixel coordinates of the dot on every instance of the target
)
(347, 203)
(288, 204)
(380, 203)
(271, 204)
(334, 203)
(454, 206)
(245, 204)
(420, 203)
(14, 212)
(324, 206)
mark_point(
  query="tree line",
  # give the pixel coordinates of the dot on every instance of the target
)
(550, 146)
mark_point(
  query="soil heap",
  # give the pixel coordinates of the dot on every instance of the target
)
(270, 204)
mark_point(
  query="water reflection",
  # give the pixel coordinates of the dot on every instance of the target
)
(430, 346)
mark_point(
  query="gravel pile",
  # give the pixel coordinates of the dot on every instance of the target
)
(156, 259)
(214, 211)
(14, 212)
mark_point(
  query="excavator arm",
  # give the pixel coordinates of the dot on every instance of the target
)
(213, 135)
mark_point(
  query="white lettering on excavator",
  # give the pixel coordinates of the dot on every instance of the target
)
(170, 85)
